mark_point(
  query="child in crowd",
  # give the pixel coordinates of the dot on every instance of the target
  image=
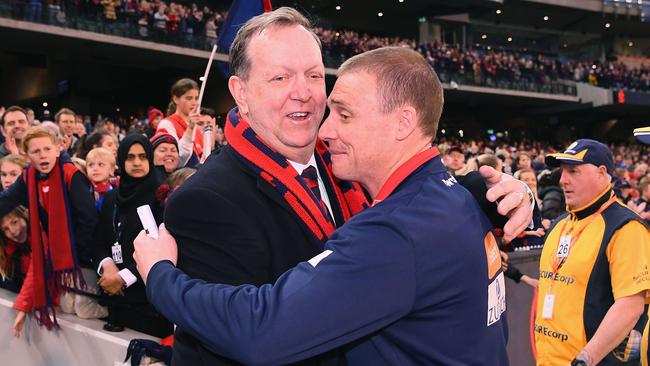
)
(172, 183)
(15, 249)
(62, 219)
(11, 167)
(100, 166)
(14, 244)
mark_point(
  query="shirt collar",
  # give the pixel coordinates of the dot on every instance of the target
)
(301, 167)
(593, 206)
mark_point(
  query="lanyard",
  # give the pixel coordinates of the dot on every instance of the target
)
(118, 227)
(559, 261)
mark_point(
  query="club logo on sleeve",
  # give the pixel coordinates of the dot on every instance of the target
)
(450, 182)
(492, 253)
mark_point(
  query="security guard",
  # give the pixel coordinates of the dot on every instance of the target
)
(643, 135)
(593, 268)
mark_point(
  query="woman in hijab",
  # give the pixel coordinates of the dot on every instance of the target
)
(118, 226)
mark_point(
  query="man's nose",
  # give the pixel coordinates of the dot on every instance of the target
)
(300, 89)
(326, 131)
(564, 178)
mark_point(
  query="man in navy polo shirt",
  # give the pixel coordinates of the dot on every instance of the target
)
(413, 280)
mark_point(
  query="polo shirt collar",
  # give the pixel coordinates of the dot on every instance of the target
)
(593, 206)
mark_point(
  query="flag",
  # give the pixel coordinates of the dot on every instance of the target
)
(240, 12)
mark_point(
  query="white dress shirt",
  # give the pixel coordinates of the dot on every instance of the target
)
(321, 186)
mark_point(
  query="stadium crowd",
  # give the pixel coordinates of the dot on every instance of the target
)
(199, 26)
(107, 172)
(525, 160)
(156, 19)
(486, 66)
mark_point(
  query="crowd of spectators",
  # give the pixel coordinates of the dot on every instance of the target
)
(340, 45)
(484, 66)
(157, 19)
(631, 181)
(525, 160)
(110, 168)
(198, 26)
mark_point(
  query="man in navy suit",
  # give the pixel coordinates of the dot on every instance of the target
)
(251, 212)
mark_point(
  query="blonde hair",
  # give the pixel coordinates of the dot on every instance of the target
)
(101, 153)
(14, 159)
(80, 164)
(177, 178)
(36, 132)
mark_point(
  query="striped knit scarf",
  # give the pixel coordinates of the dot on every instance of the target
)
(54, 254)
(276, 170)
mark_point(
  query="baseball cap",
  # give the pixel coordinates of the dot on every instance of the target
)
(584, 151)
(454, 148)
(643, 134)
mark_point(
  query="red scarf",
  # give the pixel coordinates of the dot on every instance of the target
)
(18, 258)
(180, 125)
(54, 255)
(276, 170)
(103, 188)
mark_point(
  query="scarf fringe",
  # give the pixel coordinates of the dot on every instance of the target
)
(46, 317)
(72, 278)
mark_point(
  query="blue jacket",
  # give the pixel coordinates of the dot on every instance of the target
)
(407, 280)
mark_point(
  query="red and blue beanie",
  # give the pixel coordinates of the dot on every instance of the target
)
(162, 137)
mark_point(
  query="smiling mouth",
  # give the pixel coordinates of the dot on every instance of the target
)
(299, 116)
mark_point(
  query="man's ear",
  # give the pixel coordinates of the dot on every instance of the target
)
(407, 122)
(603, 170)
(2, 130)
(237, 88)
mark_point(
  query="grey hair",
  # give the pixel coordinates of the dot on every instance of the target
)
(240, 63)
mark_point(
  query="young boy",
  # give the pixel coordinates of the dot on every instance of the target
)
(100, 166)
(62, 219)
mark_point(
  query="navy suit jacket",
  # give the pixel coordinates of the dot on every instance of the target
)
(234, 228)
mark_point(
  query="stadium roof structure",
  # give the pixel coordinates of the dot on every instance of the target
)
(397, 17)
(400, 17)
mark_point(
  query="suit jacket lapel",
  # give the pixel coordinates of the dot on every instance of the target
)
(268, 190)
(331, 194)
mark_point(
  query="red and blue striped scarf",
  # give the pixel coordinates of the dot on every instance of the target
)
(279, 173)
(54, 254)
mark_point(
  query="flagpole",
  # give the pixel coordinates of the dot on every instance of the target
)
(207, 132)
(204, 79)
